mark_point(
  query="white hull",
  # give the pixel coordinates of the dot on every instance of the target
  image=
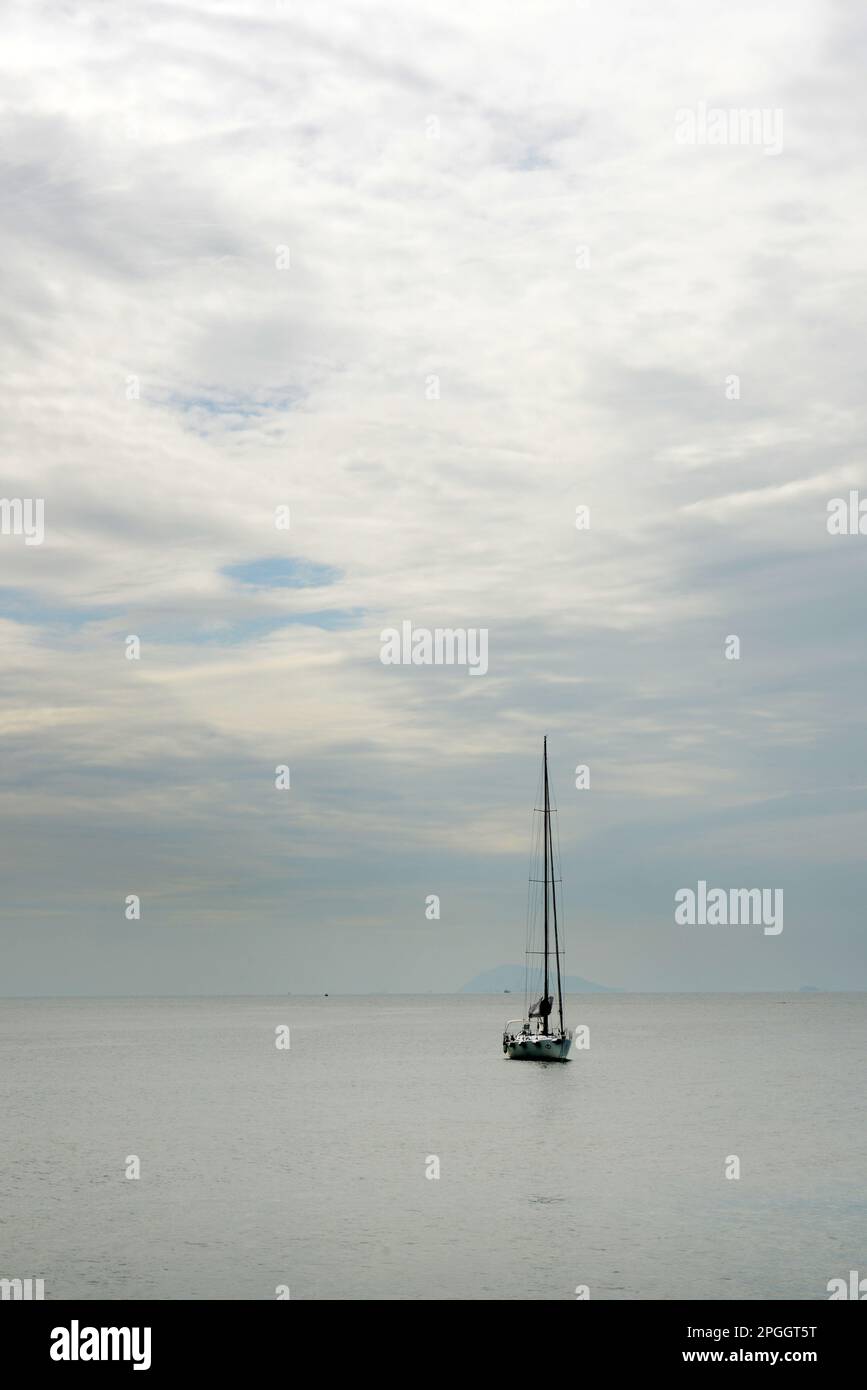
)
(539, 1049)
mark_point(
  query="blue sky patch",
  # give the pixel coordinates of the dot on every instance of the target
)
(282, 572)
(22, 606)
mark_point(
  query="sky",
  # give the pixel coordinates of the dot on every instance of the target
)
(432, 277)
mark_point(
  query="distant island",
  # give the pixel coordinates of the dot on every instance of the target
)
(511, 977)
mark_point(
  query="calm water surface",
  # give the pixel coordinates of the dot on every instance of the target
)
(306, 1167)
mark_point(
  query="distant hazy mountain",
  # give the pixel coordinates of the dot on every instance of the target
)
(511, 977)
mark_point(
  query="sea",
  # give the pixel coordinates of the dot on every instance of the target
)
(698, 1146)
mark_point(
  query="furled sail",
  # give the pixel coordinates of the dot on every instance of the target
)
(542, 1008)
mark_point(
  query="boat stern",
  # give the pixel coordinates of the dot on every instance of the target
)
(520, 1044)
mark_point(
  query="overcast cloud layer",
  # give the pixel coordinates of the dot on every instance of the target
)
(431, 172)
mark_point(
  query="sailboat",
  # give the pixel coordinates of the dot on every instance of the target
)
(540, 1036)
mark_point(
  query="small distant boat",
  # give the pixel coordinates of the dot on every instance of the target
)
(536, 1038)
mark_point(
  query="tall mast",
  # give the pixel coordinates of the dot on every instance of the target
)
(556, 933)
(546, 825)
